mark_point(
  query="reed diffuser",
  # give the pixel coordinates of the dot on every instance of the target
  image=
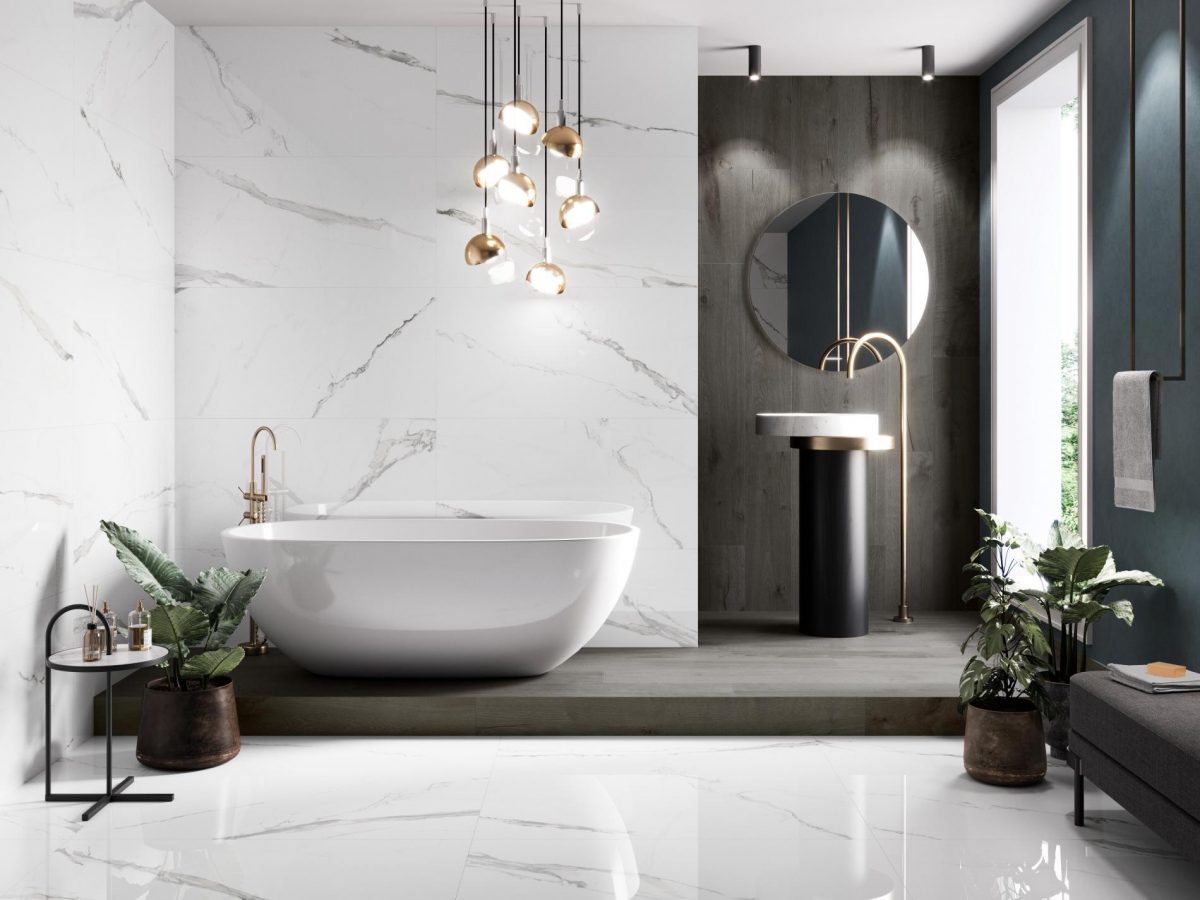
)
(93, 643)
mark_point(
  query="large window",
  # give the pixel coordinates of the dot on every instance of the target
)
(1041, 296)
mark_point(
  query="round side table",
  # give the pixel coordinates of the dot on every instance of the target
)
(117, 661)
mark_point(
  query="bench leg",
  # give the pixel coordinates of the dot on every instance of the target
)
(1077, 766)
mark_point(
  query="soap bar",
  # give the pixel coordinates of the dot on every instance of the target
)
(1166, 670)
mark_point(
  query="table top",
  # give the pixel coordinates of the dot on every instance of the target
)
(122, 658)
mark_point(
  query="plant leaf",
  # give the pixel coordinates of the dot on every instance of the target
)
(1072, 565)
(178, 627)
(150, 568)
(224, 595)
(213, 663)
(1123, 610)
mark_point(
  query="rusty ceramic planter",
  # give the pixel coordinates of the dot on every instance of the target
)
(187, 730)
(1005, 743)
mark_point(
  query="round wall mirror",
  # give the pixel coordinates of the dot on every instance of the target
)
(837, 266)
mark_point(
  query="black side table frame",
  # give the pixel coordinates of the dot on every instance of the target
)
(111, 794)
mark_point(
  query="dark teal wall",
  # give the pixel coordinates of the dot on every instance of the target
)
(1166, 542)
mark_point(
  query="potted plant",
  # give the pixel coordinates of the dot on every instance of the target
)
(1004, 742)
(1078, 580)
(189, 716)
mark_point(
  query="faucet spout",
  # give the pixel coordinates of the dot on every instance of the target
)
(256, 497)
(902, 615)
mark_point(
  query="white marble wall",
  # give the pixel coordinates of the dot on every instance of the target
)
(86, 329)
(323, 200)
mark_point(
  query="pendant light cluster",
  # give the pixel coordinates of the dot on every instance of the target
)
(493, 172)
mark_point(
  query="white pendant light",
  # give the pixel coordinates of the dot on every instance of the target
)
(545, 277)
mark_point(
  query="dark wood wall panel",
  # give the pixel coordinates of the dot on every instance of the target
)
(915, 147)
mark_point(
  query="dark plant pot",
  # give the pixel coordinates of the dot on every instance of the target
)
(186, 730)
(1058, 725)
(1005, 743)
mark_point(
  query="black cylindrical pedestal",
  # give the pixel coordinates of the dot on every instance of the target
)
(833, 543)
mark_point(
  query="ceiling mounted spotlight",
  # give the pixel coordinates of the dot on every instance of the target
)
(927, 63)
(519, 115)
(755, 61)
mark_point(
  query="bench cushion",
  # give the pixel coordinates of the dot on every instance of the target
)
(1155, 736)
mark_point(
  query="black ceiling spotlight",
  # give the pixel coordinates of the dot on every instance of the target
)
(927, 62)
(755, 61)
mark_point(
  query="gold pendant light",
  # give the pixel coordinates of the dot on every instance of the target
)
(485, 247)
(545, 277)
(520, 116)
(562, 139)
(579, 209)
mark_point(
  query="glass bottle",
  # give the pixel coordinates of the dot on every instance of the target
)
(93, 643)
(139, 628)
(111, 618)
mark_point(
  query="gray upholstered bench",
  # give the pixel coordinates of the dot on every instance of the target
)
(1143, 750)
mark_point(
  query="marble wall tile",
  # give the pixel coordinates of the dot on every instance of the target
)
(36, 166)
(318, 92)
(371, 356)
(305, 222)
(123, 67)
(594, 352)
(323, 202)
(36, 42)
(123, 201)
(86, 331)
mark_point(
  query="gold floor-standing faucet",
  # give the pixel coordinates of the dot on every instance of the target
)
(902, 615)
(257, 498)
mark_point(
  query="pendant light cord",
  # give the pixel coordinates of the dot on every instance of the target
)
(579, 79)
(562, 57)
(546, 153)
(486, 116)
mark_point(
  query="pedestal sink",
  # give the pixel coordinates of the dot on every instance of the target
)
(833, 451)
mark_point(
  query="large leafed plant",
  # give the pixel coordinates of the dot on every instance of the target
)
(191, 620)
(1078, 580)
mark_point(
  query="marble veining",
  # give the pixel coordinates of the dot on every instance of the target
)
(390, 450)
(400, 56)
(338, 383)
(40, 325)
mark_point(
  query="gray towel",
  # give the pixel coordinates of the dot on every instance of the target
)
(1135, 438)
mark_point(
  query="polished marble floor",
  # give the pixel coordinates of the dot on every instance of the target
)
(530, 818)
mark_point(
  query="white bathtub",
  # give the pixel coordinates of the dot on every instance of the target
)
(572, 510)
(439, 598)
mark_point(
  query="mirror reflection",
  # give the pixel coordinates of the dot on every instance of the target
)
(836, 266)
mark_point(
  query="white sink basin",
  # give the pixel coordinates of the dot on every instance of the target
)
(817, 424)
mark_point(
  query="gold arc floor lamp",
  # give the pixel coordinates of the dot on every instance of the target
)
(902, 615)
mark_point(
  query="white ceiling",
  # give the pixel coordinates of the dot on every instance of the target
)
(799, 37)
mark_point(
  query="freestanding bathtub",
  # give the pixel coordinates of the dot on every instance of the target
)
(434, 597)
